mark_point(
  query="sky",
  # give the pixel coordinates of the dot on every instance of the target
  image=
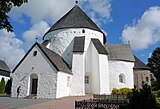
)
(123, 21)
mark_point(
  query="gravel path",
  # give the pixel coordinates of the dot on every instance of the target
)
(62, 103)
(14, 103)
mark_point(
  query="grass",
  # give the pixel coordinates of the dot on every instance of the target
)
(2, 94)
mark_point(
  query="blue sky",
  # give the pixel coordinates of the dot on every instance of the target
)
(136, 21)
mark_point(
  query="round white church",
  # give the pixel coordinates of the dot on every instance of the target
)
(75, 60)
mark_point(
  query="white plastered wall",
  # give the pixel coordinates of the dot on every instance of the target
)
(95, 71)
(62, 41)
(104, 74)
(88, 69)
(96, 67)
(63, 84)
(78, 70)
(40, 65)
(121, 67)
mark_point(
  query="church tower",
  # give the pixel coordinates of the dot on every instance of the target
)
(80, 42)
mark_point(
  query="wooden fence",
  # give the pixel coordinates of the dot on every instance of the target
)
(103, 102)
(113, 96)
(95, 104)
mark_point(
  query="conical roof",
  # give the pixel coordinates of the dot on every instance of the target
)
(75, 18)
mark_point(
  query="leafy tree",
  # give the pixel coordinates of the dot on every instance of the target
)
(5, 7)
(8, 86)
(142, 99)
(2, 85)
(154, 64)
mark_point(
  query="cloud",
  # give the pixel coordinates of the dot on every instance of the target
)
(10, 48)
(99, 12)
(145, 32)
(47, 10)
(13, 49)
(51, 10)
(36, 31)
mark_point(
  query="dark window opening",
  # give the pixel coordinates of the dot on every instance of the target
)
(34, 53)
(147, 79)
(83, 31)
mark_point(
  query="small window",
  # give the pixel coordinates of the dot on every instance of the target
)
(121, 78)
(34, 53)
(83, 31)
(147, 79)
(86, 79)
(68, 81)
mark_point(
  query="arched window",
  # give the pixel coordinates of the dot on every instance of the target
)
(121, 78)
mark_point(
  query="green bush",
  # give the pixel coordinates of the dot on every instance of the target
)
(121, 91)
(158, 93)
(8, 86)
(2, 85)
(142, 99)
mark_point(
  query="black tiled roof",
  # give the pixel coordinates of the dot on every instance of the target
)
(55, 59)
(120, 52)
(79, 44)
(138, 64)
(4, 69)
(100, 48)
(75, 18)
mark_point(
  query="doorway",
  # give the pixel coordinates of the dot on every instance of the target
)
(34, 84)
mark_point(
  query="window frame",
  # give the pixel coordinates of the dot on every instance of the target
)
(87, 80)
(121, 78)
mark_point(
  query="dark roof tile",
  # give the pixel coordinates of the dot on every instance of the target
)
(100, 48)
(120, 52)
(55, 59)
(4, 69)
(75, 18)
(79, 44)
(138, 64)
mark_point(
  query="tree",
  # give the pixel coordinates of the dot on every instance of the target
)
(8, 86)
(154, 64)
(142, 99)
(5, 7)
(2, 85)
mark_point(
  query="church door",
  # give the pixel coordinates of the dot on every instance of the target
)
(34, 86)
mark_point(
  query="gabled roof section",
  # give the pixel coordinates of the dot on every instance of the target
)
(100, 48)
(53, 57)
(4, 69)
(120, 52)
(3, 66)
(138, 64)
(79, 44)
(75, 18)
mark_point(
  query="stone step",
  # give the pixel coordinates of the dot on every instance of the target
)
(31, 97)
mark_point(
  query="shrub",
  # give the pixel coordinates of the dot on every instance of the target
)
(8, 86)
(2, 85)
(143, 99)
(158, 93)
(125, 90)
(121, 91)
